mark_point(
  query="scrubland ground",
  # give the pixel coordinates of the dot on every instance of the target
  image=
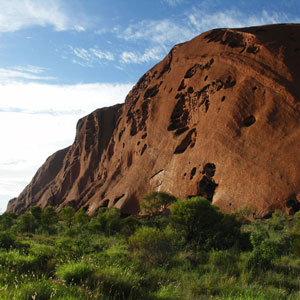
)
(192, 251)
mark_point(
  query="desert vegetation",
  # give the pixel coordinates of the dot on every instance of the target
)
(189, 251)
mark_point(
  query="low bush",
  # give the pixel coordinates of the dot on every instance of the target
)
(7, 240)
(151, 245)
(117, 283)
(37, 290)
(75, 272)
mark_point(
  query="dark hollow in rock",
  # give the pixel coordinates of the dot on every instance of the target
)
(105, 203)
(185, 142)
(178, 109)
(229, 82)
(253, 49)
(190, 90)
(182, 86)
(133, 129)
(249, 121)
(177, 124)
(209, 169)
(144, 136)
(207, 188)
(205, 78)
(193, 172)
(191, 72)
(145, 110)
(129, 159)
(151, 92)
(121, 133)
(293, 205)
(144, 149)
(181, 131)
(118, 198)
(223, 98)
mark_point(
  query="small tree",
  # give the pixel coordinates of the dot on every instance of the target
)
(36, 212)
(7, 220)
(195, 218)
(156, 202)
(152, 245)
(27, 223)
(67, 215)
(49, 218)
(81, 218)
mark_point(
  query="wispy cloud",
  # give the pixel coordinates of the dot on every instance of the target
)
(28, 73)
(162, 31)
(149, 55)
(19, 14)
(201, 20)
(91, 56)
(167, 32)
(30, 69)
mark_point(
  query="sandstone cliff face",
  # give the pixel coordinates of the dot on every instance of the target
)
(218, 117)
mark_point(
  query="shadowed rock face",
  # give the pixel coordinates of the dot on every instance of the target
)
(218, 117)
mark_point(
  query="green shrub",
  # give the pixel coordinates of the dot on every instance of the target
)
(43, 257)
(108, 221)
(37, 290)
(67, 215)
(75, 273)
(151, 245)
(66, 247)
(36, 212)
(195, 218)
(278, 220)
(117, 283)
(26, 223)
(7, 240)
(203, 224)
(264, 251)
(20, 263)
(7, 220)
(81, 219)
(156, 202)
(49, 219)
(129, 225)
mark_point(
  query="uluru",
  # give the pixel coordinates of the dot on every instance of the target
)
(218, 117)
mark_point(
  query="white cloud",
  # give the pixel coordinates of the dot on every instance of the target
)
(30, 69)
(168, 32)
(102, 54)
(39, 119)
(202, 21)
(31, 72)
(88, 57)
(155, 53)
(162, 32)
(19, 14)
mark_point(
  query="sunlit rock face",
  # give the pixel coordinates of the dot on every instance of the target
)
(218, 117)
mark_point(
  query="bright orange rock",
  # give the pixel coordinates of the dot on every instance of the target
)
(218, 117)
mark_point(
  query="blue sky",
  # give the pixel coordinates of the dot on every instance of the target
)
(61, 59)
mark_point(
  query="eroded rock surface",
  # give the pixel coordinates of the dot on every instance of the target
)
(218, 117)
